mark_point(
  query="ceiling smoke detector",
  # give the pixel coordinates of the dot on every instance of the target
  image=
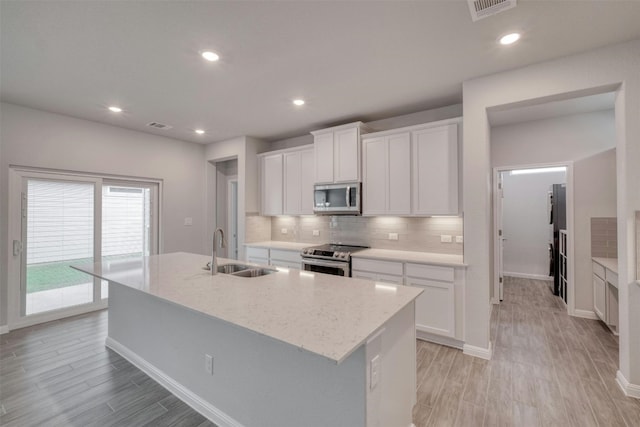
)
(483, 8)
(158, 125)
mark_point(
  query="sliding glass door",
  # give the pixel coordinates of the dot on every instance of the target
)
(72, 219)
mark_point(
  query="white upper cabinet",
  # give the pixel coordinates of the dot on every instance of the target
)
(272, 184)
(435, 170)
(287, 179)
(387, 175)
(298, 183)
(411, 171)
(337, 153)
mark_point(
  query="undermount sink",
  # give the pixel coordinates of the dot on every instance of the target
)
(254, 272)
(232, 268)
(243, 270)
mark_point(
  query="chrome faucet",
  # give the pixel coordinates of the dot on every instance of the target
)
(214, 256)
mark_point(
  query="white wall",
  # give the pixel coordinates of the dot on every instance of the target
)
(525, 222)
(553, 140)
(602, 70)
(40, 139)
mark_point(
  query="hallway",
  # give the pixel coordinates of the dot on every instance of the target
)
(548, 369)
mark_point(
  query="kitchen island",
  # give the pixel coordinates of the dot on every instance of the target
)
(290, 348)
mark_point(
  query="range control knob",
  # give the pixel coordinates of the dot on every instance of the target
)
(343, 255)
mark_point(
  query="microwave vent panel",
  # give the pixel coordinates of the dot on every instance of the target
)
(158, 125)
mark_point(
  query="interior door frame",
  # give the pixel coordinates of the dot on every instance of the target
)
(497, 219)
(232, 199)
(17, 174)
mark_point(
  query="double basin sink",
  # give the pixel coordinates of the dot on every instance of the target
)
(242, 270)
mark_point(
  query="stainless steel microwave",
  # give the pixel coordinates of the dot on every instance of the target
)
(337, 199)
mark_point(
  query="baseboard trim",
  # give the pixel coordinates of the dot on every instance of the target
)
(527, 276)
(482, 353)
(187, 396)
(439, 339)
(630, 390)
(585, 314)
(4, 329)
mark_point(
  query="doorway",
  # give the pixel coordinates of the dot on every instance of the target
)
(531, 220)
(226, 205)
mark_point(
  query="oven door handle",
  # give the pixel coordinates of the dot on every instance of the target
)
(319, 263)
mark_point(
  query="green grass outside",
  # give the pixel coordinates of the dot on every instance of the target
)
(54, 275)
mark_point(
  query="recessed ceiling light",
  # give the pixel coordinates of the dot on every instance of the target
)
(298, 102)
(199, 131)
(115, 109)
(509, 38)
(210, 56)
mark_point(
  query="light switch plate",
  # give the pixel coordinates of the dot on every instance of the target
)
(393, 236)
(284, 231)
(208, 364)
(316, 232)
(459, 239)
(188, 221)
(375, 372)
(445, 238)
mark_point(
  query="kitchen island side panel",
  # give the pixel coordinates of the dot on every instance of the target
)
(256, 380)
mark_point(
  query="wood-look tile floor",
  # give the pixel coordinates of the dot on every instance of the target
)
(61, 374)
(548, 369)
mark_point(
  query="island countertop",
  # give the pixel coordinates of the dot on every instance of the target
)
(327, 315)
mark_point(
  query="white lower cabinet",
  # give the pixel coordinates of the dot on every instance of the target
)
(285, 258)
(380, 271)
(435, 307)
(605, 295)
(258, 255)
(276, 257)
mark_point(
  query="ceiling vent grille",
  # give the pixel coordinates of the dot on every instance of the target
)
(483, 8)
(159, 125)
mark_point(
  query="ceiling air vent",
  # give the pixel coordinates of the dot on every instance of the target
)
(158, 125)
(482, 8)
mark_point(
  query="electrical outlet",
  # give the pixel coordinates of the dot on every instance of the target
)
(445, 238)
(208, 364)
(284, 231)
(316, 232)
(374, 372)
(393, 236)
(188, 221)
(459, 239)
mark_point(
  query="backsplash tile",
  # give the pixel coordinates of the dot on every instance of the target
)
(604, 237)
(414, 234)
(257, 228)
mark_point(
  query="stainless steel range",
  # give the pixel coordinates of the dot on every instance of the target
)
(332, 258)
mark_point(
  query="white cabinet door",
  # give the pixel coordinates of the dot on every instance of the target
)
(272, 185)
(375, 154)
(435, 307)
(399, 174)
(323, 154)
(307, 179)
(435, 171)
(346, 155)
(292, 184)
(599, 297)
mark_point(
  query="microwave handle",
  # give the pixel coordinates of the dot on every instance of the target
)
(348, 192)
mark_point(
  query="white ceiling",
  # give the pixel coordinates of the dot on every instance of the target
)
(349, 60)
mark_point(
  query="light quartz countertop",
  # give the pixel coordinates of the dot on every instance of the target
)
(323, 314)
(274, 244)
(412, 256)
(608, 263)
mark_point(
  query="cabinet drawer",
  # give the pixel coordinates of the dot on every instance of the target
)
(611, 277)
(284, 255)
(257, 260)
(257, 253)
(377, 266)
(598, 270)
(430, 272)
(285, 264)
